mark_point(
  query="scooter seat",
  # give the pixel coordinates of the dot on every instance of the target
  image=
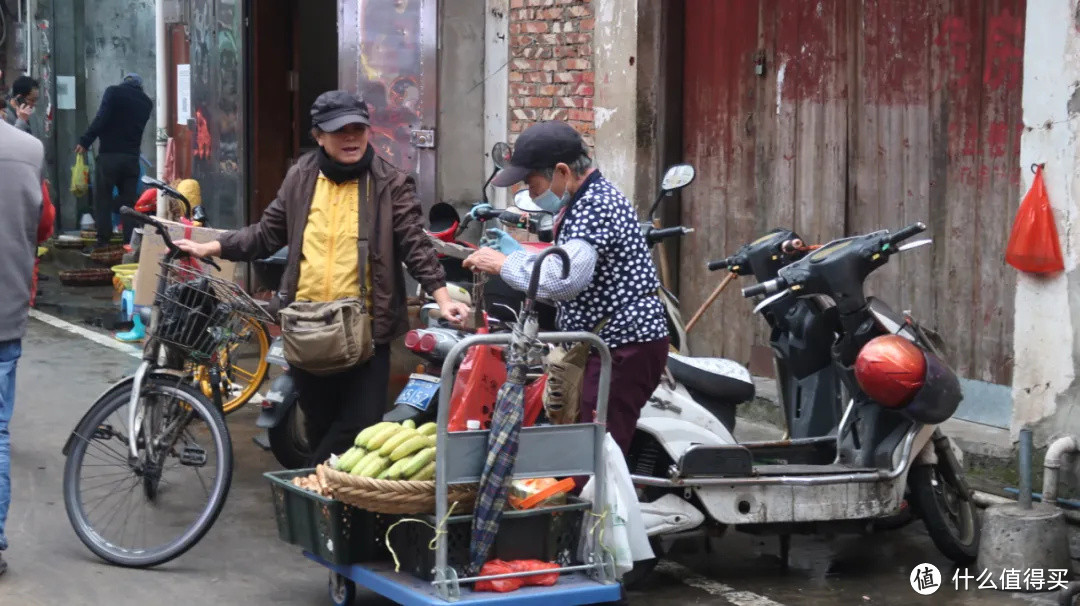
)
(718, 378)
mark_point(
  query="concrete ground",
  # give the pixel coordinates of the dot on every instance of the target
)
(241, 561)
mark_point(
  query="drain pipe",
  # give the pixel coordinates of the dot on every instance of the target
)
(1055, 455)
(161, 103)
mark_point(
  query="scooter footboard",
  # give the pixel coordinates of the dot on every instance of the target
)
(779, 503)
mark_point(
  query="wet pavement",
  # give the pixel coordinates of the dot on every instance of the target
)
(241, 560)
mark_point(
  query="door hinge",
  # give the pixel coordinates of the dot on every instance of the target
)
(423, 138)
(294, 81)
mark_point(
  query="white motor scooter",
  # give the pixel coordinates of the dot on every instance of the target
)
(692, 474)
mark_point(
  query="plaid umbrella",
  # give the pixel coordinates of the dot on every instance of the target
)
(506, 423)
(501, 452)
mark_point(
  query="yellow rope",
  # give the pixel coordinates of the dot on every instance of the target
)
(439, 529)
(600, 537)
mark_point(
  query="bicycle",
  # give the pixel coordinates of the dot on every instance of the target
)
(238, 382)
(136, 443)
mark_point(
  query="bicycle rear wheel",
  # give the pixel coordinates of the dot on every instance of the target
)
(145, 513)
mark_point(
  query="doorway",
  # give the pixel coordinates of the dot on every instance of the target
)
(293, 59)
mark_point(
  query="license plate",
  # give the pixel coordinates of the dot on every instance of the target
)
(419, 392)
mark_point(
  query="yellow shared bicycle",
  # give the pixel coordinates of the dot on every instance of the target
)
(243, 364)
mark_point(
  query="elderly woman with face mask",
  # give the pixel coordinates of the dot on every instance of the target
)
(612, 286)
(325, 199)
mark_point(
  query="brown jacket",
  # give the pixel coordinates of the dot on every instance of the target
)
(397, 236)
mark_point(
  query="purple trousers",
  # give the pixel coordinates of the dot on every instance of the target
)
(635, 373)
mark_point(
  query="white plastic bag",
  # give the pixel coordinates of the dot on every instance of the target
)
(623, 527)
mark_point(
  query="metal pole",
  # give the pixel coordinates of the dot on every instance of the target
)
(161, 92)
(1025, 469)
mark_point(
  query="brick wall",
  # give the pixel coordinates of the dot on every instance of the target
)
(551, 64)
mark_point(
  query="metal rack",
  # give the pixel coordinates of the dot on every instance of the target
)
(545, 451)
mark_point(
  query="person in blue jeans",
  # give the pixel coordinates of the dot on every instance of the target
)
(21, 161)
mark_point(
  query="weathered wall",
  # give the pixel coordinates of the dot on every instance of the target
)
(460, 132)
(119, 38)
(496, 84)
(1045, 389)
(615, 97)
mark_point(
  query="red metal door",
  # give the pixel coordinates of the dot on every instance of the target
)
(844, 116)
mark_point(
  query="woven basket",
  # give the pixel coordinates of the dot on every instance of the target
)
(86, 277)
(110, 256)
(394, 496)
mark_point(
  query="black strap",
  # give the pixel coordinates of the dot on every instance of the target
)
(363, 233)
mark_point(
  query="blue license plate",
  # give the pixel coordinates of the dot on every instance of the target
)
(419, 392)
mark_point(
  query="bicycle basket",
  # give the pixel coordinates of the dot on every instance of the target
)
(200, 312)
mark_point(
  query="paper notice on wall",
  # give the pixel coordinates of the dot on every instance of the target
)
(65, 92)
(183, 94)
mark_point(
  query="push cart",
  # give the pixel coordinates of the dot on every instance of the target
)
(544, 451)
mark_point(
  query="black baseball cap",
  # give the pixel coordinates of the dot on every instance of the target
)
(336, 109)
(540, 147)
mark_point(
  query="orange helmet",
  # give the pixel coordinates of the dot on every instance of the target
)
(891, 370)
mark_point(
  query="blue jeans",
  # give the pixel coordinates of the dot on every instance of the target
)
(9, 357)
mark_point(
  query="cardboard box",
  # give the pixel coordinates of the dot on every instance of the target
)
(152, 251)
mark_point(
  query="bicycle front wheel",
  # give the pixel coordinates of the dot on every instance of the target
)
(148, 511)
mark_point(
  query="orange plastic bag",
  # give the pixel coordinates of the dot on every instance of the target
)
(1033, 245)
(476, 386)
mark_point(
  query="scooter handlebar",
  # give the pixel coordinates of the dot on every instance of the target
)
(906, 232)
(764, 288)
(719, 264)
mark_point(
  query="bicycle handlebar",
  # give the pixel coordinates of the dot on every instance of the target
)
(138, 217)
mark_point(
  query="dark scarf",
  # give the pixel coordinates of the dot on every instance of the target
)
(340, 173)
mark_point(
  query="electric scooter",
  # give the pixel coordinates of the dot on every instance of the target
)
(801, 334)
(887, 440)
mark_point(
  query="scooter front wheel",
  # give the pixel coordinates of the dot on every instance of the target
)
(288, 440)
(949, 517)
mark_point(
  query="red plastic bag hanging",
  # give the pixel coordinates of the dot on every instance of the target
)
(1033, 245)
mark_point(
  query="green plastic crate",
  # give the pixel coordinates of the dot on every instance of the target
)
(336, 532)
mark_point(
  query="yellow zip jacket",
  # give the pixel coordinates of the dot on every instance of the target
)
(329, 263)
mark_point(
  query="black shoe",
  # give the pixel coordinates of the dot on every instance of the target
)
(3, 566)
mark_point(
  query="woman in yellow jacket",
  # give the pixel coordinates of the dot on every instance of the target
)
(325, 198)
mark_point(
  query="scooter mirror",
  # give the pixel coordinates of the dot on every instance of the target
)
(500, 154)
(678, 177)
(524, 202)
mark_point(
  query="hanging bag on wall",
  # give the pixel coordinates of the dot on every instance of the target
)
(1033, 245)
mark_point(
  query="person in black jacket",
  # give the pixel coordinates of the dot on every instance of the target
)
(119, 125)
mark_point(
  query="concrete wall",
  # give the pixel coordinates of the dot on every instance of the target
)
(496, 84)
(1046, 395)
(615, 100)
(460, 131)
